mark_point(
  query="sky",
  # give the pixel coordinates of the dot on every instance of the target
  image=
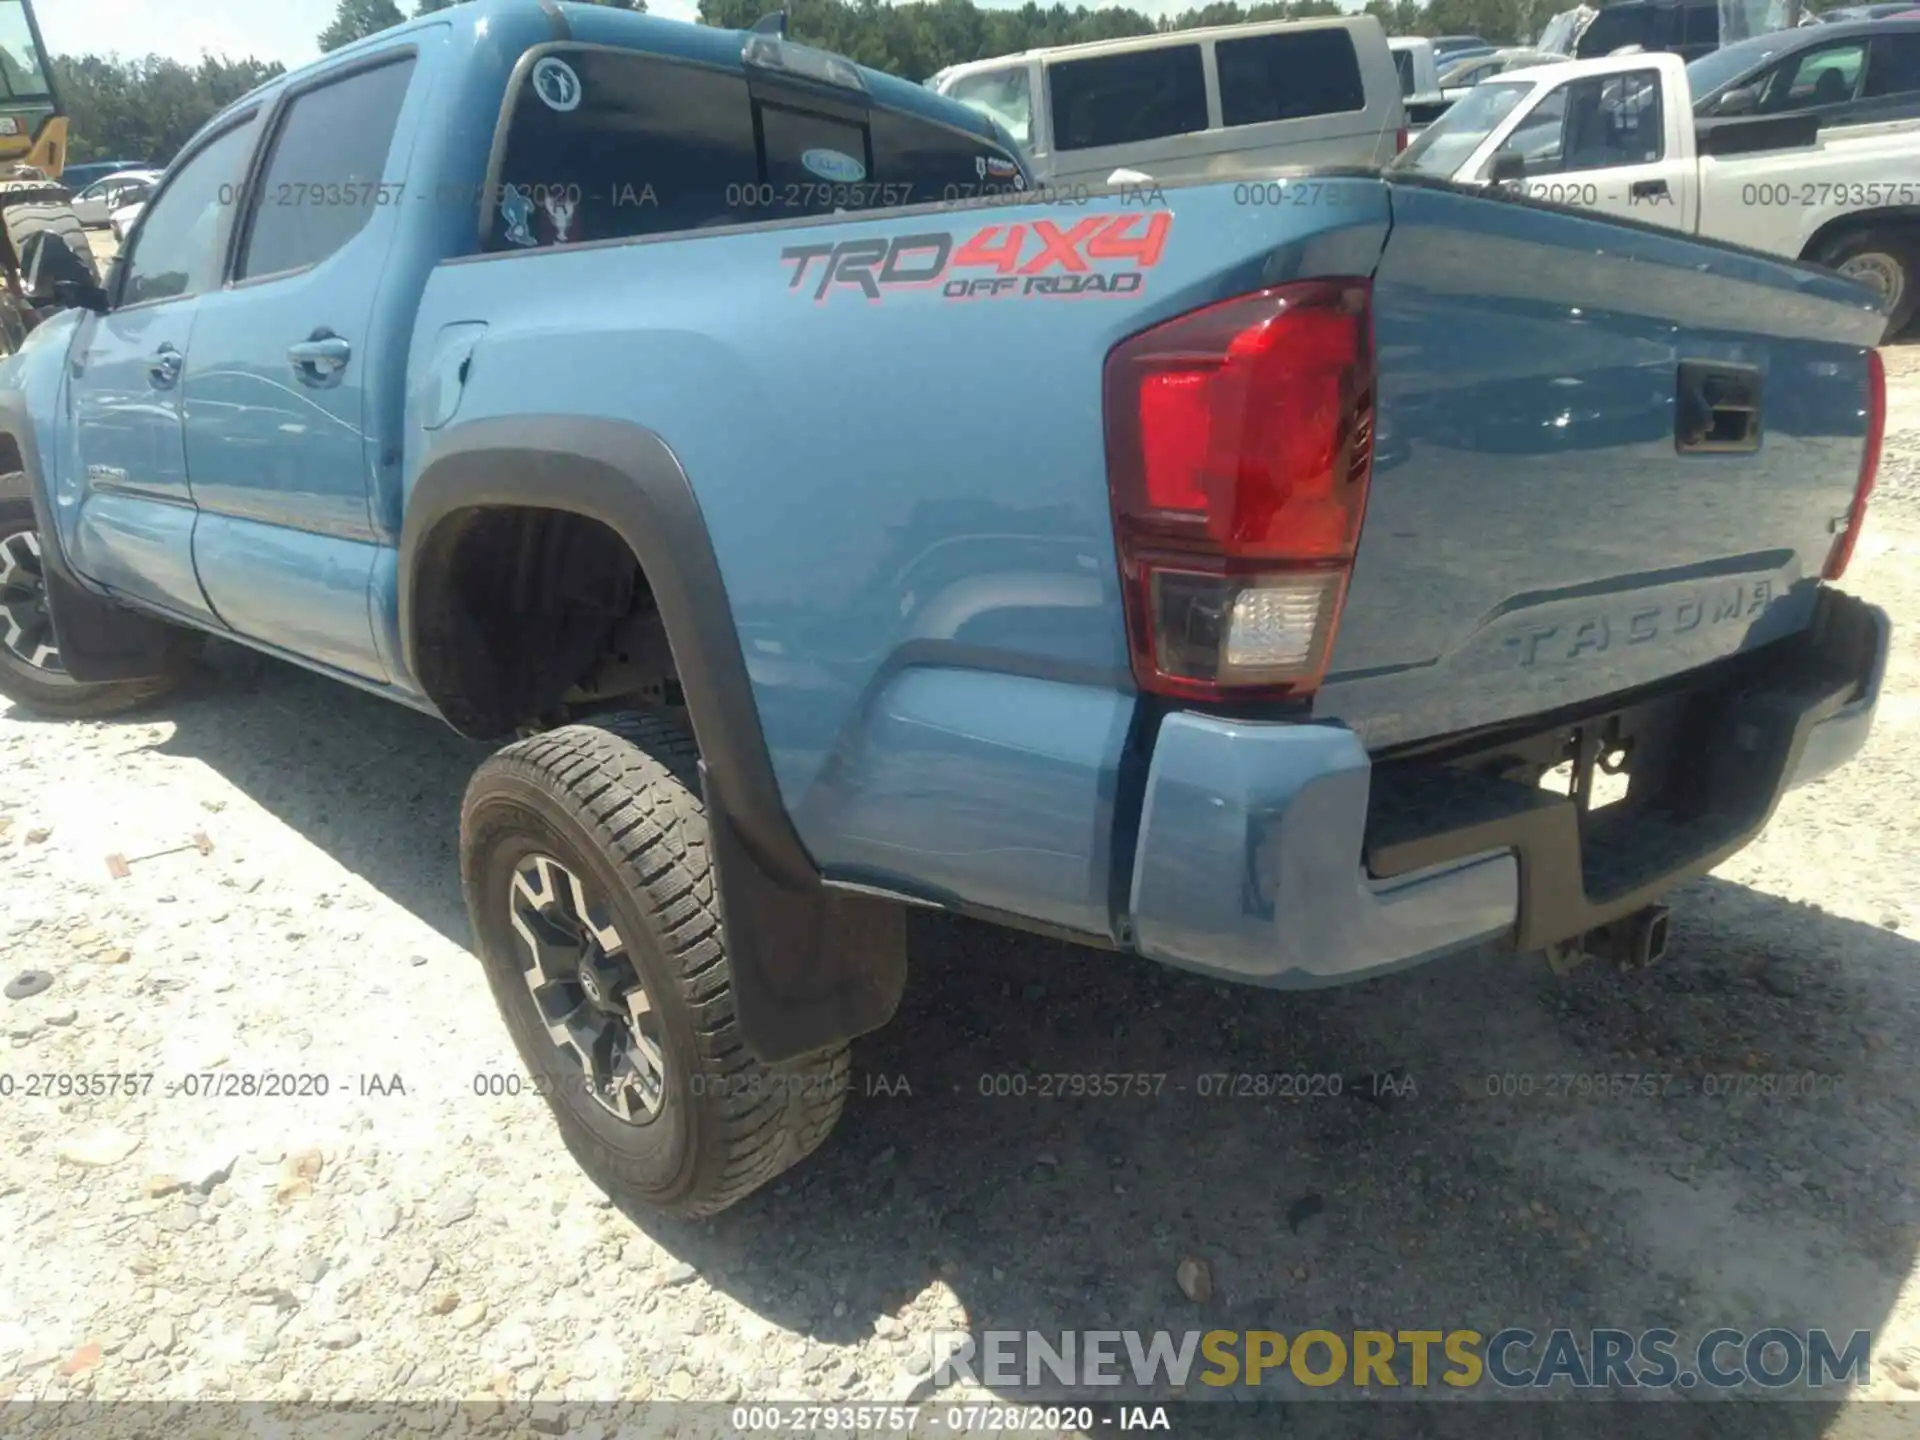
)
(282, 30)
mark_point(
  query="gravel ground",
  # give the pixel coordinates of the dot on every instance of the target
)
(405, 1236)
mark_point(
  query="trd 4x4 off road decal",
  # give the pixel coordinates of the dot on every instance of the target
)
(1025, 260)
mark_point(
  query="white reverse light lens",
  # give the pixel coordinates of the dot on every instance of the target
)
(1275, 625)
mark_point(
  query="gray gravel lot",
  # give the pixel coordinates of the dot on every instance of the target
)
(403, 1236)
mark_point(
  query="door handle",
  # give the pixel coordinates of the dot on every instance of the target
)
(1646, 189)
(319, 359)
(165, 366)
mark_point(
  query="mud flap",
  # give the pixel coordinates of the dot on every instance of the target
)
(99, 640)
(102, 641)
(811, 968)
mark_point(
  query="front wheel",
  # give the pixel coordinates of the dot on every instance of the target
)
(1885, 259)
(32, 673)
(588, 878)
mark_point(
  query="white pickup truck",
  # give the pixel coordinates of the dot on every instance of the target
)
(1618, 134)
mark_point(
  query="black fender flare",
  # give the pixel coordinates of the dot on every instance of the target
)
(99, 639)
(811, 967)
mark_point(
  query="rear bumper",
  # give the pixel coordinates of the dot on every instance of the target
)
(1282, 855)
(1836, 738)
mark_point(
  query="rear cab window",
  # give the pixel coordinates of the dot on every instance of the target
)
(1288, 75)
(1125, 98)
(609, 144)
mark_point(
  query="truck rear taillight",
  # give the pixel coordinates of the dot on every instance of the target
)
(1399, 139)
(1239, 447)
(1842, 551)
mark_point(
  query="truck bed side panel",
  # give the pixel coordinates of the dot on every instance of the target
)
(908, 499)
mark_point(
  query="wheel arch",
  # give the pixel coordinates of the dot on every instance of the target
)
(1905, 218)
(812, 967)
(624, 477)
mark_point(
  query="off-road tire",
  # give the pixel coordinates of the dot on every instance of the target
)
(1889, 248)
(618, 802)
(58, 694)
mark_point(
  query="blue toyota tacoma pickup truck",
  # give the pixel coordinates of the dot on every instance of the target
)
(834, 524)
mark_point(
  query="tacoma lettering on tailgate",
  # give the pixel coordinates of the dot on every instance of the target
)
(1570, 641)
(1036, 258)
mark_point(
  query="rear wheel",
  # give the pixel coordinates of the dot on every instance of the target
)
(31, 670)
(585, 862)
(1885, 259)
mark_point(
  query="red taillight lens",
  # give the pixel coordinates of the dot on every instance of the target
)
(1399, 139)
(1842, 551)
(1239, 446)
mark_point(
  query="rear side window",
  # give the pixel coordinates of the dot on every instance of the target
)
(613, 145)
(1403, 63)
(1893, 66)
(327, 173)
(1288, 76)
(935, 162)
(814, 161)
(1122, 99)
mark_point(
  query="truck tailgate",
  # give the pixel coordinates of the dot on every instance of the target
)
(1538, 532)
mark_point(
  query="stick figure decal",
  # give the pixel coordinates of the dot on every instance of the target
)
(557, 85)
(516, 208)
(560, 207)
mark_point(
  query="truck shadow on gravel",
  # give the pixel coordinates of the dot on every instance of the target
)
(1502, 1185)
(1440, 1149)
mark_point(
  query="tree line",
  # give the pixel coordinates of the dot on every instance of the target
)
(145, 109)
(356, 19)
